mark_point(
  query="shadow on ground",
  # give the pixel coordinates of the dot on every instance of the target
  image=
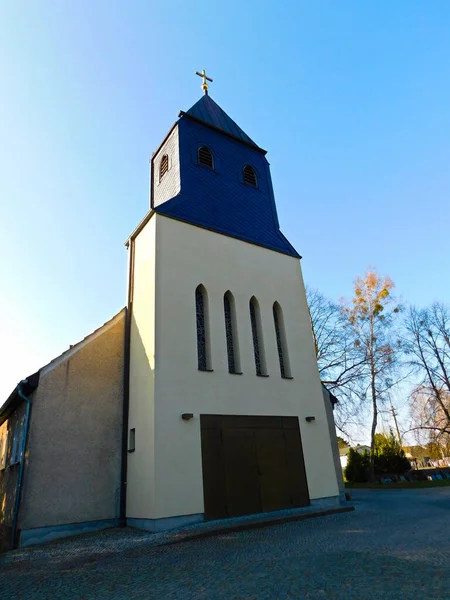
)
(395, 545)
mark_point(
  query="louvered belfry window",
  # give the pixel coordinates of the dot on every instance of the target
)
(249, 175)
(205, 157)
(163, 166)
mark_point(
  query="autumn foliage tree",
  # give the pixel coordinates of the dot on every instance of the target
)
(372, 316)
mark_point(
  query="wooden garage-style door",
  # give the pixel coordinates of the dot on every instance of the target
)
(251, 465)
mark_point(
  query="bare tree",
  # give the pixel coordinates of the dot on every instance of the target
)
(340, 363)
(428, 352)
(372, 316)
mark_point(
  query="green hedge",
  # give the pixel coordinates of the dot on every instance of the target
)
(389, 459)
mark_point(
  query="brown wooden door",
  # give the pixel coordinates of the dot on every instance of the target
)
(251, 464)
(241, 468)
(273, 468)
(215, 493)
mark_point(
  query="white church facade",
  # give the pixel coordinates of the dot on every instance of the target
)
(216, 408)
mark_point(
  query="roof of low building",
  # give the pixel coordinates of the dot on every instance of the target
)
(29, 384)
(415, 451)
(331, 396)
(32, 381)
(346, 450)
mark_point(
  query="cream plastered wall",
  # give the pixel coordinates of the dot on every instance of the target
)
(140, 476)
(185, 257)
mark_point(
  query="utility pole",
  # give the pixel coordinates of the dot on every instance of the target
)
(394, 414)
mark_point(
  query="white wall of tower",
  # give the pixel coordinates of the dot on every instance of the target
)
(185, 257)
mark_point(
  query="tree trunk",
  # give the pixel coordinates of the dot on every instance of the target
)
(374, 422)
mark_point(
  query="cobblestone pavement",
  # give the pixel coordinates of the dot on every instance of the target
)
(394, 545)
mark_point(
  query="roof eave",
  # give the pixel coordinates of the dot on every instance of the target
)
(164, 140)
(140, 227)
(332, 397)
(13, 401)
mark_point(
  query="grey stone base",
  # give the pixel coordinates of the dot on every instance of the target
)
(342, 498)
(320, 507)
(165, 524)
(5, 537)
(39, 535)
(327, 503)
(197, 522)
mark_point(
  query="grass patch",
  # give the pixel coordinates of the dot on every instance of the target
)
(400, 485)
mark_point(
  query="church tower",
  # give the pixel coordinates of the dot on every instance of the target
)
(226, 412)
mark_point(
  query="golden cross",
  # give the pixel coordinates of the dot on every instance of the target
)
(205, 79)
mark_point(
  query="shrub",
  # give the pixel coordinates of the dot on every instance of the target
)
(389, 458)
(358, 467)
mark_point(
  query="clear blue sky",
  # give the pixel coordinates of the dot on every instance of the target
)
(350, 98)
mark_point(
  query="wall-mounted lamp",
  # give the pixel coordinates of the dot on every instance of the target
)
(309, 419)
(187, 416)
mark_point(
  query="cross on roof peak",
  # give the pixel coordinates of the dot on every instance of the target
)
(205, 79)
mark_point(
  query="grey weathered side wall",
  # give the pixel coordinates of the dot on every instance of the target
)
(333, 438)
(8, 482)
(74, 448)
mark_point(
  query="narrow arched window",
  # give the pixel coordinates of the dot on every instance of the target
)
(231, 333)
(280, 333)
(205, 157)
(202, 314)
(258, 342)
(249, 175)
(163, 166)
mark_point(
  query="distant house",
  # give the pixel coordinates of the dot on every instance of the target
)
(343, 453)
(417, 455)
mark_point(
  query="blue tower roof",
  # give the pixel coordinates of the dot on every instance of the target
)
(218, 198)
(207, 111)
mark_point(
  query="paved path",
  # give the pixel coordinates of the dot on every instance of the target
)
(396, 544)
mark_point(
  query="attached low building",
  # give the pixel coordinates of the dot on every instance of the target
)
(60, 443)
